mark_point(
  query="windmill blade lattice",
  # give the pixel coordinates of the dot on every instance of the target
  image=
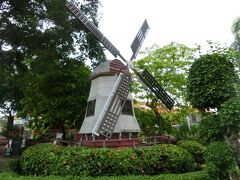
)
(106, 124)
(92, 28)
(155, 88)
(138, 40)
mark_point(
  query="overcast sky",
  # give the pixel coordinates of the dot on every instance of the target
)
(184, 21)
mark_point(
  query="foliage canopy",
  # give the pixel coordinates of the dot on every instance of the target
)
(211, 81)
(169, 65)
(236, 33)
(230, 115)
(219, 160)
(56, 97)
(37, 40)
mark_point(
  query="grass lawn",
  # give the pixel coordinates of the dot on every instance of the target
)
(200, 175)
(7, 172)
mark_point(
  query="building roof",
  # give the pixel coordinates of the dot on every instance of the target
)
(109, 68)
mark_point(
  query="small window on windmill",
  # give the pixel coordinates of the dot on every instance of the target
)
(90, 108)
(127, 108)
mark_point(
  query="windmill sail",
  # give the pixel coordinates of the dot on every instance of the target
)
(138, 40)
(149, 81)
(92, 28)
(113, 107)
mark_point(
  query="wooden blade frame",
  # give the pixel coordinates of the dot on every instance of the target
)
(138, 40)
(150, 82)
(92, 28)
(108, 118)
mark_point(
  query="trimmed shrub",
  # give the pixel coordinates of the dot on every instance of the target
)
(230, 121)
(46, 159)
(215, 133)
(165, 159)
(219, 160)
(230, 116)
(194, 148)
(211, 80)
(38, 159)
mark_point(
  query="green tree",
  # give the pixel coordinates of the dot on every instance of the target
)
(35, 34)
(212, 79)
(230, 121)
(213, 83)
(169, 65)
(236, 46)
(11, 86)
(236, 33)
(147, 121)
(210, 128)
(179, 117)
(3, 126)
(219, 160)
(56, 96)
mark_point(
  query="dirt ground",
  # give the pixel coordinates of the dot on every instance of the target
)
(5, 159)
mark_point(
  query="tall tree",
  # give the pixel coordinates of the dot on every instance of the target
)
(236, 46)
(236, 33)
(35, 34)
(169, 66)
(56, 96)
(212, 78)
(230, 123)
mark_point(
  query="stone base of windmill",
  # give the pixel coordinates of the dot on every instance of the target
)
(118, 140)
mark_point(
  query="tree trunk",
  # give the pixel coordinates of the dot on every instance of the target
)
(10, 119)
(159, 120)
(153, 106)
(63, 131)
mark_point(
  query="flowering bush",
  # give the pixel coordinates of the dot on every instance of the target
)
(194, 148)
(46, 159)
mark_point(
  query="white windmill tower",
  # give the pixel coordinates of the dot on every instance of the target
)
(104, 79)
(110, 113)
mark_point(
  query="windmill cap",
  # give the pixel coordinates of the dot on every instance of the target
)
(109, 68)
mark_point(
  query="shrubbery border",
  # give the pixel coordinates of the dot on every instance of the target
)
(47, 159)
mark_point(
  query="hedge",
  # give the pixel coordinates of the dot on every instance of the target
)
(46, 159)
(194, 148)
(219, 160)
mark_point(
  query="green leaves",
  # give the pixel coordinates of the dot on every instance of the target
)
(219, 159)
(169, 66)
(230, 116)
(210, 129)
(211, 80)
(58, 94)
(194, 148)
(236, 33)
(147, 121)
(37, 76)
(46, 159)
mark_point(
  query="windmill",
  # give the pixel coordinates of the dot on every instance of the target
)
(108, 118)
